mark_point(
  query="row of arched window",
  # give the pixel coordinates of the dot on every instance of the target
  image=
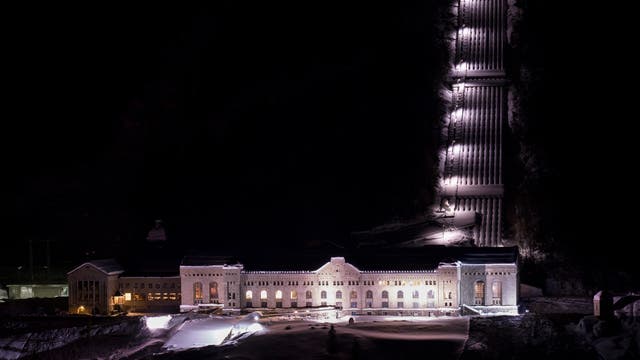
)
(352, 295)
(496, 293)
(479, 290)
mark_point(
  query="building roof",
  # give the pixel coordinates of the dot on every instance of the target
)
(203, 260)
(487, 255)
(107, 266)
(389, 259)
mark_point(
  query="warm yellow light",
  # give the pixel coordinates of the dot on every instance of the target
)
(80, 309)
(127, 296)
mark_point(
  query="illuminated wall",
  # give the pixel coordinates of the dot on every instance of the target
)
(338, 283)
(471, 163)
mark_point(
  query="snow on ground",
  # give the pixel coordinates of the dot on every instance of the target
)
(201, 332)
(371, 337)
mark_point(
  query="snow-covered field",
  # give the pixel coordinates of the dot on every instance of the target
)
(369, 337)
(297, 336)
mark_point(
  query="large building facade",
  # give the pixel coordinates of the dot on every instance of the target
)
(474, 282)
(475, 286)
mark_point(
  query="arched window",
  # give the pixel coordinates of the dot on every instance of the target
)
(338, 294)
(197, 291)
(369, 294)
(248, 295)
(213, 291)
(308, 294)
(450, 295)
(354, 294)
(385, 294)
(279, 294)
(323, 294)
(479, 293)
(496, 290)
(263, 294)
(400, 294)
(430, 294)
(294, 294)
(415, 294)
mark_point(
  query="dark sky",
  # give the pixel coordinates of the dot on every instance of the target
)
(236, 124)
(244, 124)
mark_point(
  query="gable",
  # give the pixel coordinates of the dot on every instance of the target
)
(338, 266)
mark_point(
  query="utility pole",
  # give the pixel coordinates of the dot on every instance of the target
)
(48, 258)
(31, 259)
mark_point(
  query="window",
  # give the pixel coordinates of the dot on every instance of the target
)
(400, 304)
(308, 294)
(479, 293)
(263, 295)
(430, 294)
(294, 295)
(323, 294)
(338, 294)
(496, 290)
(415, 294)
(400, 294)
(416, 305)
(279, 295)
(354, 295)
(385, 304)
(323, 303)
(450, 295)
(385, 294)
(197, 292)
(339, 304)
(308, 304)
(354, 304)
(369, 294)
(248, 295)
(294, 304)
(213, 291)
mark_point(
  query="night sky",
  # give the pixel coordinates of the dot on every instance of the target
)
(235, 124)
(250, 124)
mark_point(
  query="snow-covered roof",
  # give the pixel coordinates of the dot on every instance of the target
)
(107, 266)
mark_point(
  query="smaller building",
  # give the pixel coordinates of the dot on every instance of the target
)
(102, 287)
(27, 291)
(93, 287)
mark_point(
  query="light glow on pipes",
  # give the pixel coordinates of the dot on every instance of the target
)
(461, 66)
(465, 32)
(456, 115)
(452, 235)
(455, 149)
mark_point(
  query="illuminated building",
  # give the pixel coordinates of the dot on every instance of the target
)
(478, 281)
(448, 281)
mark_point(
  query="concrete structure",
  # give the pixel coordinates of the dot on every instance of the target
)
(471, 163)
(481, 285)
(27, 291)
